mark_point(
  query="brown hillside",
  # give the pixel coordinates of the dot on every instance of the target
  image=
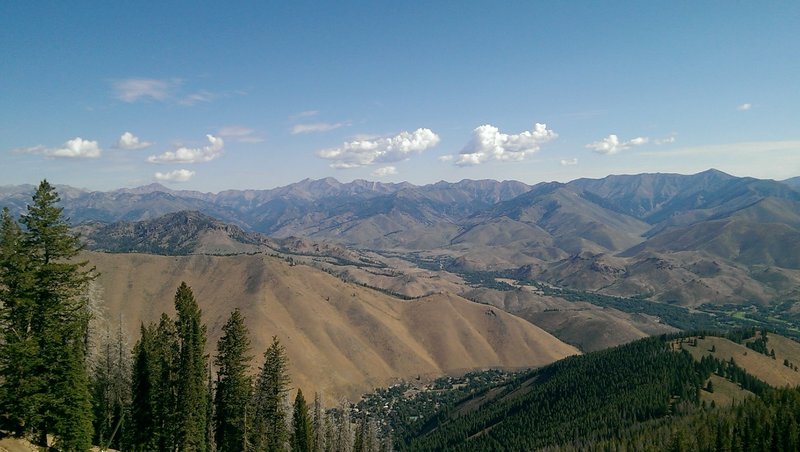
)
(341, 339)
(587, 326)
(771, 371)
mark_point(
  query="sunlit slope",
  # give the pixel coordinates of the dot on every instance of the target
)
(341, 339)
(769, 370)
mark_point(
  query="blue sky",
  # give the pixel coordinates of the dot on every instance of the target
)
(218, 95)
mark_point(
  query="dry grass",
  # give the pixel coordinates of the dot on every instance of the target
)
(342, 339)
(771, 371)
(725, 392)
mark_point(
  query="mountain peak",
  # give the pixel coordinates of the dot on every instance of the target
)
(144, 189)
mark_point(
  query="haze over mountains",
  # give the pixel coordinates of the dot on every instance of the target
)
(708, 237)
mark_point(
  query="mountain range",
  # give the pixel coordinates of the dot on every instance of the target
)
(354, 275)
(687, 239)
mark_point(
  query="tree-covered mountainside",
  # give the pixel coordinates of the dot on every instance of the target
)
(646, 394)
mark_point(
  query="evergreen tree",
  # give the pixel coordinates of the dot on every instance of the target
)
(211, 444)
(360, 439)
(366, 439)
(269, 431)
(319, 425)
(142, 432)
(164, 369)
(302, 433)
(110, 383)
(19, 355)
(191, 409)
(234, 385)
(331, 431)
(45, 325)
(344, 428)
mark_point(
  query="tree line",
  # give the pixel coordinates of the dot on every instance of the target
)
(63, 392)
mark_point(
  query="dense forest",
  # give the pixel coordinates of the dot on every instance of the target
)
(640, 396)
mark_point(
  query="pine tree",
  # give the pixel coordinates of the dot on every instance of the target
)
(111, 386)
(269, 431)
(319, 426)
(191, 409)
(19, 355)
(234, 385)
(211, 444)
(302, 433)
(45, 325)
(165, 374)
(360, 439)
(344, 428)
(366, 439)
(142, 433)
(331, 431)
(372, 438)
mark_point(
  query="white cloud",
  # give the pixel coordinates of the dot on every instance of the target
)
(385, 171)
(570, 162)
(74, 148)
(200, 96)
(744, 107)
(181, 175)
(191, 155)
(611, 144)
(400, 147)
(666, 140)
(446, 158)
(304, 114)
(130, 142)
(363, 137)
(240, 134)
(317, 127)
(488, 143)
(135, 89)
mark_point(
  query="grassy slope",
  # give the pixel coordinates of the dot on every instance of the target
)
(342, 339)
(771, 371)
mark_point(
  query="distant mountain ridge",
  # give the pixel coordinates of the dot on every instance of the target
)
(179, 233)
(742, 227)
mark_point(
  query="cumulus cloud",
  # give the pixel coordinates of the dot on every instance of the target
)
(354, 154)
(75, 148)
(488, 143)
(384, 171)
(191, 155)
(135, 89)
(570, 162)
(446, 158)
(181, 175)
(744, 107)
(612, 145)
(317, 127)
(240, 134)
(131, 142)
